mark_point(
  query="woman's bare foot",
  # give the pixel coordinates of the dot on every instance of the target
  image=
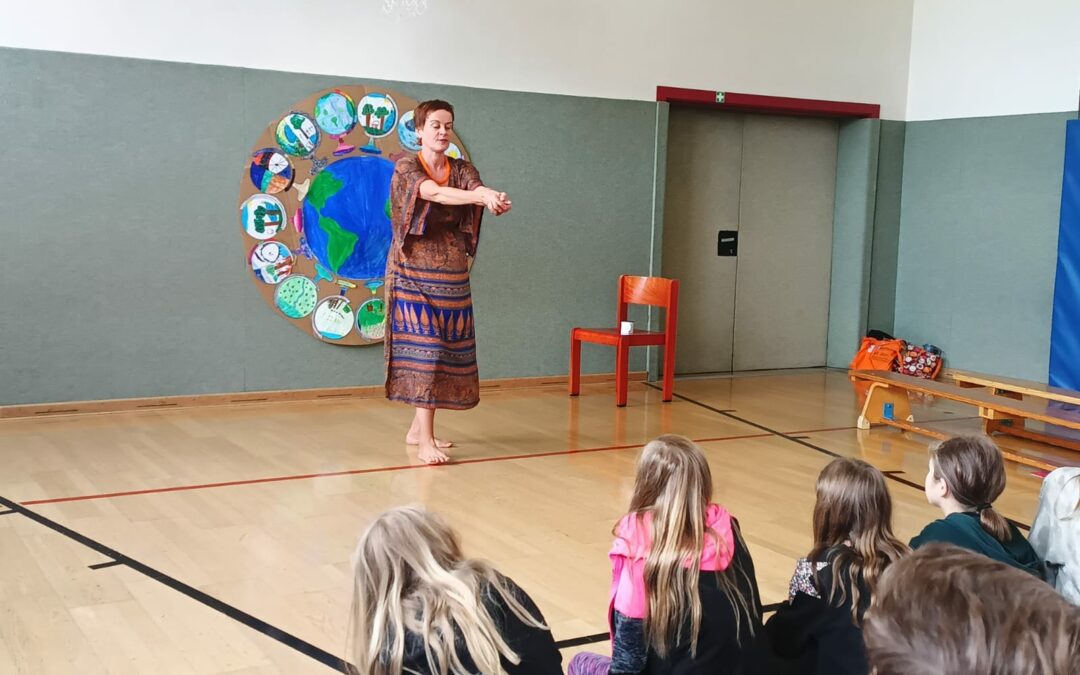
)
(413, 437)
(422, 433)
(429, 453)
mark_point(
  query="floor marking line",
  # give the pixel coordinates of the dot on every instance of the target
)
(817, 448)
(267, 629)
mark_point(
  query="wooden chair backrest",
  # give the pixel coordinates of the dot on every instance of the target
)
(651, 291)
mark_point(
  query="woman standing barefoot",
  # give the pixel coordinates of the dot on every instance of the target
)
(437, 204)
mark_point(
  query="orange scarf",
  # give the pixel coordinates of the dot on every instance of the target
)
(431, 174)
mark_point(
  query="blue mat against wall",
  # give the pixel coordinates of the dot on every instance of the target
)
(1065, 333)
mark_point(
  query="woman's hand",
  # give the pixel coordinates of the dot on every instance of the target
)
(497, 202)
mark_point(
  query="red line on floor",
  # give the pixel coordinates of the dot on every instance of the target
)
(357, 472)
(403, 467)
(726, 438)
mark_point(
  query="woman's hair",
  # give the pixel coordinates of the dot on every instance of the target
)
(674, 484)
(853, 529)
(411, 577)
(948, 611)
(421, 112)
(974, 470)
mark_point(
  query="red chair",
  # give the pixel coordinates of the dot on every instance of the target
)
(652, 291)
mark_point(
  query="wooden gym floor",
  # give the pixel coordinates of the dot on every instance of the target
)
(218, 540)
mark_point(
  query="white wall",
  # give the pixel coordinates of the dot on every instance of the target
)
(963, 58)
(977, 58)
(853, 50)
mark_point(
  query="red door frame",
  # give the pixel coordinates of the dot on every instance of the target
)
(777, 105)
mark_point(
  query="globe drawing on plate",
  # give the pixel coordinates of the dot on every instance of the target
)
(406, 131)
(333, 317)
(271, 171)
(336, 114)
(297, 135)
(346, 217)
(296, 296)
(272, 261)
(371, 319)
(262, 216)
(378, 117)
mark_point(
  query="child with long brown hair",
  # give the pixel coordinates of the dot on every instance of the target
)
(819, 629)
(966, 475)
(683, 594)
(420, 606)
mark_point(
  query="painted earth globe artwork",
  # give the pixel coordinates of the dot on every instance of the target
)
(346, 219)
(271, 171)
(297, 135)
(315, 209)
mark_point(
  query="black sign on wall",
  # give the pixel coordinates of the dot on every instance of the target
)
(727, 243)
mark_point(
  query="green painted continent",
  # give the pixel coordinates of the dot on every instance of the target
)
(325, 186)
(340, 242)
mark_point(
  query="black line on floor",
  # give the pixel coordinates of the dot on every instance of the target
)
(6, 512)
(796, 439)
(271, 631)
(101, 566)
(895, 476)
(584, 640)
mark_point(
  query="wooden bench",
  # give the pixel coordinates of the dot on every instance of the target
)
(1014, 388)
(1021, 390)
(889, 392)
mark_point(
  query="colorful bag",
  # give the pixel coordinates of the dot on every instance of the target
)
(924, 362)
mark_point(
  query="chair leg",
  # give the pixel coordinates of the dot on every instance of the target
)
(575, 366)
(669, 372)
(622, 373)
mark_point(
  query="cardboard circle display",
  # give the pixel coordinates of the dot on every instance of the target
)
(340, 187)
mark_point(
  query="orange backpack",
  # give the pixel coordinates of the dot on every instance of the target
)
(877, 354)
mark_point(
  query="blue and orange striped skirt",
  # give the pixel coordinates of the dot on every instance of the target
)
(430, 338)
